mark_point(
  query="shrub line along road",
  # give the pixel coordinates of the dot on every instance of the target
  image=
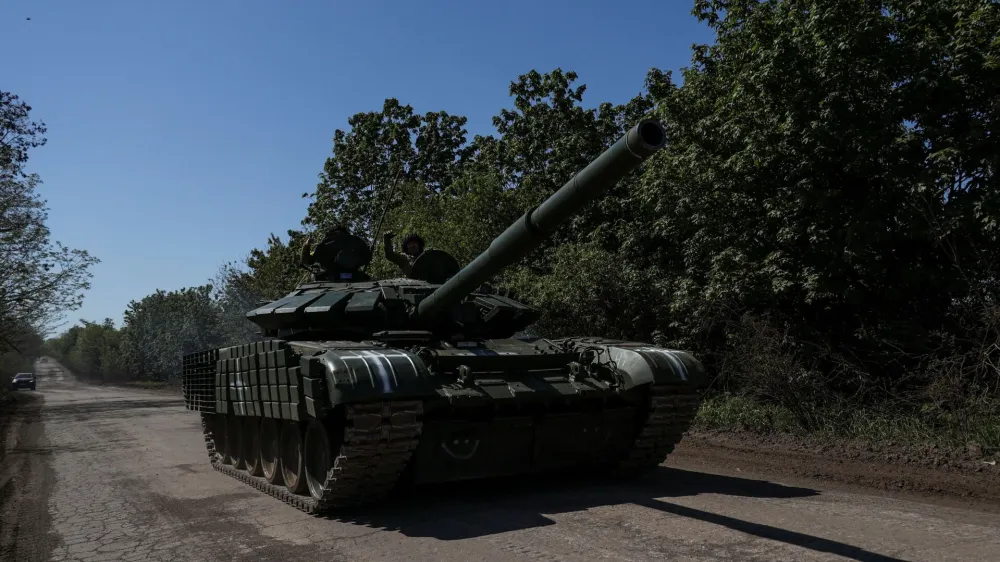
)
(99, 473)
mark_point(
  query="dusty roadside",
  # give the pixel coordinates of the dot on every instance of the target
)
(26, 479)
(929, 472)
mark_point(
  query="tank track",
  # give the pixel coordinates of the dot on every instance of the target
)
(672, 410)
(379, 440)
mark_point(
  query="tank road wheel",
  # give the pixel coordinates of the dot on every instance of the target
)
(219, 437)
(234, 440)
(251, 442)
(320, 453)
(270, 451)
(291, 457)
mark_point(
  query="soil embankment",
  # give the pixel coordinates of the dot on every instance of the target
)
(927, 472)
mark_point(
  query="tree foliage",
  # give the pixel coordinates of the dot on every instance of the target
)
(91, 350)
(381, 149)
(161, 328)
(39, 279)
(822, 226)
(815, 175)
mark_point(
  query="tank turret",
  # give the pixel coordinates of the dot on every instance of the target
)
(359, 381)
(345, 303)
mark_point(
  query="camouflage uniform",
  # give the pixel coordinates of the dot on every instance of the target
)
(405, 260)
(306, 257)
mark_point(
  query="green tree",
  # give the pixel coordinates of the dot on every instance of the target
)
(162, 327)
(96, 352)
(382, 148)
(39, 279)
(60, 346)
(832, 165)
(548, 136)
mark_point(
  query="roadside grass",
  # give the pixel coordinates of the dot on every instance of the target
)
(151, 385)
(861, 424)
(172, 385)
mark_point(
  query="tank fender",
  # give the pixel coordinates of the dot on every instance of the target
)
(642, 363)
(366, 375)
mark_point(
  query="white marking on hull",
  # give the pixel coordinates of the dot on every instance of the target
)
(383, 374)
(671, 357)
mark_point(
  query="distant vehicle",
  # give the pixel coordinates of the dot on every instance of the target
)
(23, 380)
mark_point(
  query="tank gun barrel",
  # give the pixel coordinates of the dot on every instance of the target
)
(528, 232)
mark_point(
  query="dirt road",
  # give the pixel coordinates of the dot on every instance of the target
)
(98, 473)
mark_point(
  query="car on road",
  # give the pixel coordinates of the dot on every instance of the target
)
(23, 380)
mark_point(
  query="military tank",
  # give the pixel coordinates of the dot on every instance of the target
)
(361, 384)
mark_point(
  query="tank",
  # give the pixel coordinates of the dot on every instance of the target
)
(359, 385)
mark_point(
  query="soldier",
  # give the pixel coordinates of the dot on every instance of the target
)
(307, 249)
(413, 246)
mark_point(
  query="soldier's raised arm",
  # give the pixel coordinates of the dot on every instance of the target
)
(306, 255)
(398, 259)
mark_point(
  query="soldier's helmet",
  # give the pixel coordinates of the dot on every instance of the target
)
(335, 229)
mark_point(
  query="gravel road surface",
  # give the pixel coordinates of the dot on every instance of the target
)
(99, 473)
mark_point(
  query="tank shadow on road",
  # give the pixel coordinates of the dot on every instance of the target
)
(466, 510)
(812, 542)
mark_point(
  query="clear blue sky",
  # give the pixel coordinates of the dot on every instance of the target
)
(182, 133)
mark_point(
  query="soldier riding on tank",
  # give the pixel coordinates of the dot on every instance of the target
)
(413, 247)
(307, 258)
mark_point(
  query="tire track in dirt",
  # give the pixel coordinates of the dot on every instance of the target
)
(25, 482)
